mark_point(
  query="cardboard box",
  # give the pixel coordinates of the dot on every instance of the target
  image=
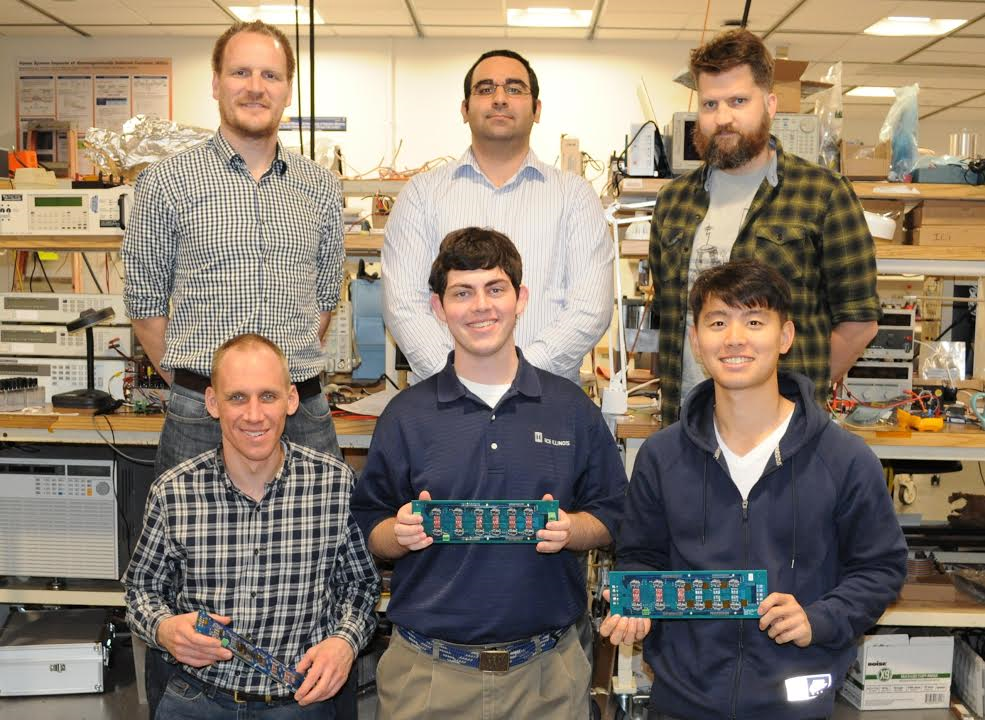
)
(969, 676)
(949, 235)
(948, 212)
(861, 162)
(786, 84)
(895, 672)
(893, 209)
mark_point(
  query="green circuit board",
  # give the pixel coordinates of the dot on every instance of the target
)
(687, 594)
(485, 521)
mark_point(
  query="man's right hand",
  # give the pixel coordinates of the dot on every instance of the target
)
(623, 630)
(177, 635)
(409, 528)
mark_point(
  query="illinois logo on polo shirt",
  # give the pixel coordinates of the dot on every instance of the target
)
(539, 438)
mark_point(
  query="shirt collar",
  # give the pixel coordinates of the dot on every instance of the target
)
(278, 479)
(450, 388)
(772, 173)
(531, 167)
(233, 158)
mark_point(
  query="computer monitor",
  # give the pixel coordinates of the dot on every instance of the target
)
(684, 156)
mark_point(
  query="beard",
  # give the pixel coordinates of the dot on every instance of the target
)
(249, 131)
(711, 150)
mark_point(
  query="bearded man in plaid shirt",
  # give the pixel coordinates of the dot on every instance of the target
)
(751, 200)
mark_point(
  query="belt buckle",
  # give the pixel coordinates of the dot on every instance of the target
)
(494, 660)
(237, 699)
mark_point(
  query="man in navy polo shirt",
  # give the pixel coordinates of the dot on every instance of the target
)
(488, 426)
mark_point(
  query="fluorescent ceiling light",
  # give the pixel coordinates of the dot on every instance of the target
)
(914, 26)
(274, 14)
(548, 17)
(872, 91)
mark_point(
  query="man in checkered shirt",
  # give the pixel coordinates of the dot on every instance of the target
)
(236, 236)
(258, 533)
(752, 200)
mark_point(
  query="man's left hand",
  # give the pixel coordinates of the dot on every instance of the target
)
(556, 533)
(326, 666)
(784, 620)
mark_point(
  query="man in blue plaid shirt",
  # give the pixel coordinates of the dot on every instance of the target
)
(258, 533)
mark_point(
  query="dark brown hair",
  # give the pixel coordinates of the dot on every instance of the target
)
(534, 85)
(730, 50)
(742, 284)
(475, 248)
(261, 28)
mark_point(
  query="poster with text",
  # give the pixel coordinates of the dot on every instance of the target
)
(80, 94)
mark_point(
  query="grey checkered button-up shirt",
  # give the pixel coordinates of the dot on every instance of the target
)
(233, 255)
(291, 569)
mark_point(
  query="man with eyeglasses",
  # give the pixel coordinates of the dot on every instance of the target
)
(554, 218)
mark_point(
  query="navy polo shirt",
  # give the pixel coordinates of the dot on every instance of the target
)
(544, 436)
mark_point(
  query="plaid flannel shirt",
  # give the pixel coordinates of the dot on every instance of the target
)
(290, 570)
(810, 228)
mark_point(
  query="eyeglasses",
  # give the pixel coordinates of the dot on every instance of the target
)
(513, 88)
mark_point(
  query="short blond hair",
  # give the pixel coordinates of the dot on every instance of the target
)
(246, 342)
(260, 28)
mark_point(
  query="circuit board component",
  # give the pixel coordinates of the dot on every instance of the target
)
(687, 594)
(248, 652)
(485, 521)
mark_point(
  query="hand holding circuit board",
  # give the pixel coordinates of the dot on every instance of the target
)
(638, 597)
(425, 521)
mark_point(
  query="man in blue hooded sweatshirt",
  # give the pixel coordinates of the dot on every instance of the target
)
(755, 475)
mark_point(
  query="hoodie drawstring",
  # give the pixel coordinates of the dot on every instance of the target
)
(793, 474)
(704, 499)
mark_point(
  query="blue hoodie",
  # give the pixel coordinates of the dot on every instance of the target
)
(819, 520)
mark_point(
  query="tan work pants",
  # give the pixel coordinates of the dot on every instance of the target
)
(553, 685)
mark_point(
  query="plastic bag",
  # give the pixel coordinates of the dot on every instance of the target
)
(830, 111)
(901, 127)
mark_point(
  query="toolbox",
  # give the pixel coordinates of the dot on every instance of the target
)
(56, 652)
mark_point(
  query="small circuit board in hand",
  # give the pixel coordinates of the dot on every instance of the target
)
(485, 521)
(687, 594)
(248, 652)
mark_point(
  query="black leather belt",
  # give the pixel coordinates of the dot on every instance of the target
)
(193, 381)
(237, 696)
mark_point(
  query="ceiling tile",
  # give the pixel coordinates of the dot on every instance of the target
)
(869, 48)
(545, 33)
(373, 31)
(191, 14)
(96, 12)
(629, 34)
(473, 17)
(490, 31)
(363, 12)
(977, 28)
(15, 12)
(200, 30)
(943, 96)
(37, 31)
(837, 15)
(935, 57)
(807, 46)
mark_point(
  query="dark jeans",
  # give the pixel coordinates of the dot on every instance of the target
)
(158, 673)
(188, 431)
(187, 698)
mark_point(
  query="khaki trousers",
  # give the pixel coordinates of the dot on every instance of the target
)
(552, 686)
